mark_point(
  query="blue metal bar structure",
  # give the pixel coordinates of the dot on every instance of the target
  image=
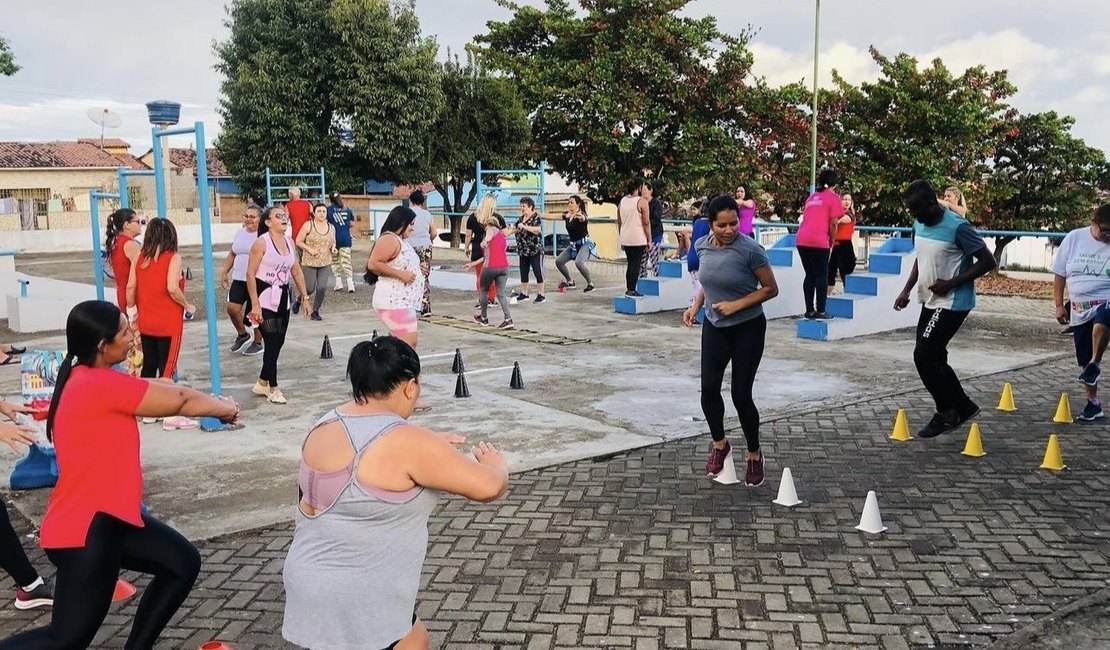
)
(270, 187)
(205, 232)
(94, 219)
(539, 188)
(123, 174)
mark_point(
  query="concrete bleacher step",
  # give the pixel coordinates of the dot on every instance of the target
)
(670, 291)
(866, 306)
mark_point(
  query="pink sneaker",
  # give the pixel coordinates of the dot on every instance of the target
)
(179, 422)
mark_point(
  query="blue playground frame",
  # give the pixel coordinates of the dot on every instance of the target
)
(541, 171)
(270, 187)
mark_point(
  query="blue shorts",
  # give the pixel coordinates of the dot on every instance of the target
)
(1084, 349)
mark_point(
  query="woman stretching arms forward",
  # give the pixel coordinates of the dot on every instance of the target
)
(736, 279)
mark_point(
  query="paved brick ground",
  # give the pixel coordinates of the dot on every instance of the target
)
(642, 551)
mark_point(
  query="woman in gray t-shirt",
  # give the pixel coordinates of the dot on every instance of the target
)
(736, 279)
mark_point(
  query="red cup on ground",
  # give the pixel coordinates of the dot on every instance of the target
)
(215, 645)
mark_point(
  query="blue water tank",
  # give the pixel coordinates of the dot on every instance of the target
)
(163, 113)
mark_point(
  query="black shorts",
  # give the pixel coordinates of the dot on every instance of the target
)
(1084, 349)
(237, 294)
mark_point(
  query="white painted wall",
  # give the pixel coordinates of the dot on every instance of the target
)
(70, 240)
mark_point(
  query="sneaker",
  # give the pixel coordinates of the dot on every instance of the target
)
(179, 422)
(253, 349)
(822, 316)
(40, 596)
(716, 461)
(1091, 412)
(296, 308)
(492, 303)
(809, 315)
(753, 477)
(240, 342)
(1090, 374)
(481, 320)
(506, 324)
(350, 285)
(941, 423)
(539, 298)
(149, 420)
(520, 296)
(966, 414)
(567, 285)
(260, 389)
(589, 288)
(427, 311)
(315, 316)
(275, 396)
(633, 294)
(338, 284)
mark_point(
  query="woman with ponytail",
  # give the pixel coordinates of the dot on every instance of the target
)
(124, 227)
(94, 526)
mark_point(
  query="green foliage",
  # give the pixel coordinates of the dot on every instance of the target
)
(485, 121)
(297, 73)
(630, 87)
(8, 66)
(916, 123)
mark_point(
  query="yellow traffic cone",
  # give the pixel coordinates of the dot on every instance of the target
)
(901, 431)
(1052, 458)
(1006, 403)
(1063, 411)
(974, 445)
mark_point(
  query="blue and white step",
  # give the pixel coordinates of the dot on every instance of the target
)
(670, 291)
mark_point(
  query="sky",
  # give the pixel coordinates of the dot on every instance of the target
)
(119, 54)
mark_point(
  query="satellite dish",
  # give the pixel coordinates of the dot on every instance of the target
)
(105, 118)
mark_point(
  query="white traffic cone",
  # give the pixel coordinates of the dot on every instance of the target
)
(788, 496)
(871, 521)
(728, 472)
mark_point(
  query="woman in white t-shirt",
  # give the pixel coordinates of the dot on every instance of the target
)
(235, 268)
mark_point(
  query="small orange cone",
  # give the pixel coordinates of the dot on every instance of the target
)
(901, 431)
(124, 590)
(1006, 402)
(974, 445)
(1053, 460)
(1063, 411)
(215, 645)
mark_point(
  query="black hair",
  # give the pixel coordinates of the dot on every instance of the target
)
(921, 200)
(1102, 214)
(722, 203)
(398, 219)
(578, 200)
(528, 202)
(116, 220)
(161, 237)
(318, 205)
(263, 226)
(89, 324)
(379, 366)
(634, 185)
(417, 198)
(826, 179)
(336, 199)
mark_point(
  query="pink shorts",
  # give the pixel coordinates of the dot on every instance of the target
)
(399, 321)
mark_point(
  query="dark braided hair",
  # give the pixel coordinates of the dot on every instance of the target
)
(116, 221)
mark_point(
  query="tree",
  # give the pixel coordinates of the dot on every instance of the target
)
(485, 121)
(1043, 177)
(8, 66)
(917, 123)
(627, 88)
(299, 73)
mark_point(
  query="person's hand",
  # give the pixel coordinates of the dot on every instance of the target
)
(902, 301)
(467, 266)
(690, 317)
(14, 435)
(1061, 315)
(487, 454)
(942, 287)
(232, 417)
(255, 315)
(191, 308)
(407, 277)
(726, 308)
(9, 410)
(223, 282)
(453, 437)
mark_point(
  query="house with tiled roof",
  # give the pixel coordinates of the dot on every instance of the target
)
(40, 178)
(183, 162)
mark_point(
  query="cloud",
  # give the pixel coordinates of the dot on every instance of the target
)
(781, 66)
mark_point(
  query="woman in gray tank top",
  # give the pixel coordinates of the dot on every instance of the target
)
(369, 480)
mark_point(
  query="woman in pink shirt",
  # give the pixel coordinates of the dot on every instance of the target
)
(815, 238)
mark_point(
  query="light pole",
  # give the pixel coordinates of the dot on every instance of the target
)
(813, 126)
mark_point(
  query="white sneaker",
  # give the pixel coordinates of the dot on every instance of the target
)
(350, 285)
(149, 420)
(275, 396)
(338, 284)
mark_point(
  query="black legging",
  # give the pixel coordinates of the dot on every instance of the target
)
(635, 255)
(274, 325)
(87, 578)
(156, 353)
(742, 345)
(843, 259)
(13, 558)
(815, 262)
(533, 263)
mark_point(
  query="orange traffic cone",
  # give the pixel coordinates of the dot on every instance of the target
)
(123, 591)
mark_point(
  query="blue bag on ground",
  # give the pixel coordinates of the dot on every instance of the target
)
(38, 469)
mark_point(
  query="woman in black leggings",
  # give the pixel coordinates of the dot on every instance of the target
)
(94, 526)
(32, 590)
(736, 279)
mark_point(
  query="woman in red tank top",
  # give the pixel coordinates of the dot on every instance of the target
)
(156, 289)
(124, 227)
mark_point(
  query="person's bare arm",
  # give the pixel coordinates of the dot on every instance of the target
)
(385, 249)
(258, 249)
(229, 261)
(131, 250)
(645, 218)
(984, 264)
(166, 400)
(302, 236)
(1059, 283)
(173, 283)
(903, 299)
(482, 475)
(132, 286)
(432, 232)
(768, 289)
